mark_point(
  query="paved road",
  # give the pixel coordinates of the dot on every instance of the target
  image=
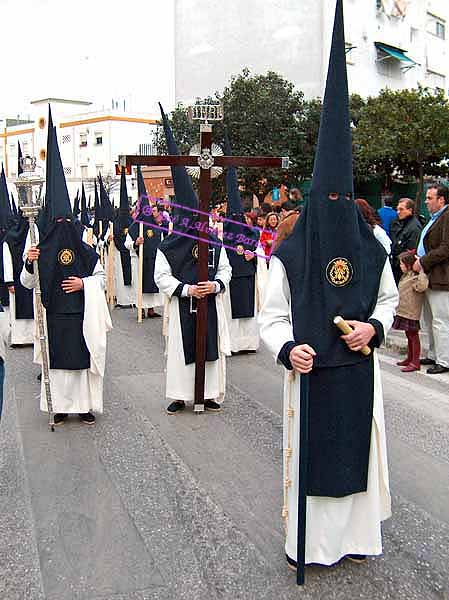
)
(146, 506)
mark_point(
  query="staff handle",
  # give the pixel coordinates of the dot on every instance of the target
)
(111, 250)
(345, 328)
(140, 282)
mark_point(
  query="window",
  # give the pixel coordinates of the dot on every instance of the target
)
(435, 81)
(67, 171)
(98, 139)
(83, 171)
(66, 139)
(436, 26)
(83, 140)
(99, 169)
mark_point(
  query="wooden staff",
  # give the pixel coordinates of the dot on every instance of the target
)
(42, 331)
(90, 236)
(140, 282)
(345, 328)
(111, 250)
(100, 234)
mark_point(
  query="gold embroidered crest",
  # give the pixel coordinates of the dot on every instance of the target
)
(240, 250)
(150, 233)
(339, 272)
(66, 257)
(195, 251)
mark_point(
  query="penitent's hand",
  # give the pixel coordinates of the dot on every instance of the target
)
(194, 291)
(33, 253)
(206, 287)
(11, 289)
(72, 284)
(139, 241)
(360, 337)
(301, 358)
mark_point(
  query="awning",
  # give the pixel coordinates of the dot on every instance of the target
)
(396, 53)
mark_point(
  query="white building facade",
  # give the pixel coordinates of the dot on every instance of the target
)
(89, 142)
(392, 44)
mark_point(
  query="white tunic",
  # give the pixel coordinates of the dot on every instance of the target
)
(148, 300)
(22, 330)
(334, 526)
(125, 294)
(180, 378)
(244, 333)
(80, 391)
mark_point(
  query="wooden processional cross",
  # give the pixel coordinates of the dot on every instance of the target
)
(206, 113)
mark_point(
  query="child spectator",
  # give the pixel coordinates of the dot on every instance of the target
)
(411, 298)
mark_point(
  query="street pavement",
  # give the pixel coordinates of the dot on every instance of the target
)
(149, 506)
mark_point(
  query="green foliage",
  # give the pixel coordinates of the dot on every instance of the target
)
(398, 133)
(403, 133)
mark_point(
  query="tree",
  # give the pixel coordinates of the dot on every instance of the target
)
(403, 133)
(263, 115)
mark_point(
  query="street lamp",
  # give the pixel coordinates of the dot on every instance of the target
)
(29, 188)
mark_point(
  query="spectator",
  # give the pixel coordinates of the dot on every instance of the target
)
(285, 228)
(295, 196)
(289, 208)
(433, 259)
(408, 312)
(373, 220)
(404, 233)
(387, 214)
(268, 235)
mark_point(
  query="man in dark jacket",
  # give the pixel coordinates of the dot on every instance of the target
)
(433, 253)
(404, 233)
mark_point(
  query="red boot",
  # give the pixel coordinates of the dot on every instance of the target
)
(415, 347)
(406, 361)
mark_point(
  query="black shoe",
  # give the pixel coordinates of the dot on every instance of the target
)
(292, 564)
(175, 407)
(87, 418)
(437, 369)
(151, 314)
(357, 558)
(39, 377)
(59, 418)
(427, 361)
(212, 406)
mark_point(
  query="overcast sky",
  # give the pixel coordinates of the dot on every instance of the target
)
(88, 49)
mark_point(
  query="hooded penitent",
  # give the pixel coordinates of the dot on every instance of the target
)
(334, 265)
(181, 253)
(121, 225)
(151, 235)
(63, 255)
(238, 238)
(6, 222)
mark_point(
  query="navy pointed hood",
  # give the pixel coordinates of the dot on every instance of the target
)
(19, 159)
(332, 259)
(84, 213)
(123, 214)
(57, 195)
(98, 213)
(6, 215)
(106, 206)
(76, 205)
(182, 183)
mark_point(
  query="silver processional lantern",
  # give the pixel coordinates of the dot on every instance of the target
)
(29, 190)
(29, 187)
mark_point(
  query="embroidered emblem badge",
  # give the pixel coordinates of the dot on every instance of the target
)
(240, 250)
(66, 257)
(339, 272)
(150, 233)
(195, 251)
